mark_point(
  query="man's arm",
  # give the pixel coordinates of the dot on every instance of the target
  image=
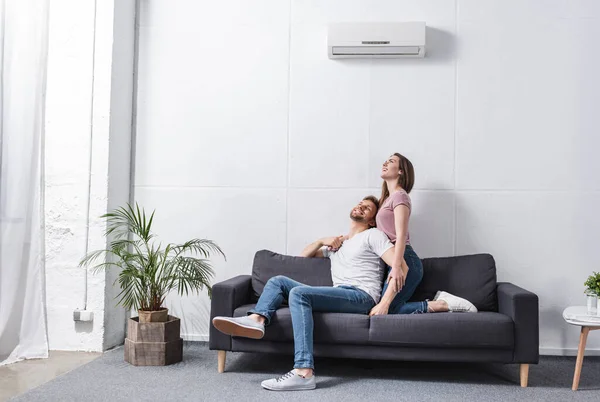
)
(389, 256)
(390, 293)
(314, 248)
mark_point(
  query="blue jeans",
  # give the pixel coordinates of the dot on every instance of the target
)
(303, 300)
(400, 304)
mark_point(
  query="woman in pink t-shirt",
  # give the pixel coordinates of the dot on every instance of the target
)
(406, 272)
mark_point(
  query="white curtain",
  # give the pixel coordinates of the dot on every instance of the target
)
(23, 54)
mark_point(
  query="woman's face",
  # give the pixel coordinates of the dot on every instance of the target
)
(391, 168)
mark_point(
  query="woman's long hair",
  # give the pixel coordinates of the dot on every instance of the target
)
(406, 180)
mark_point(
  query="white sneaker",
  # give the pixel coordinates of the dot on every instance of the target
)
(456, 304)
(290, 381)
(240, 326)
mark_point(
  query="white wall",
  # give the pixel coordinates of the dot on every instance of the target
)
(87, 161)
(67, 173)
(248, 135)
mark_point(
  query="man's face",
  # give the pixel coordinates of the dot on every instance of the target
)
(365, 212)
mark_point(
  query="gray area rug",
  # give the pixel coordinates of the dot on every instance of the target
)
(109, 378)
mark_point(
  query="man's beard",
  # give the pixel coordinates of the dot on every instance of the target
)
(360, 219)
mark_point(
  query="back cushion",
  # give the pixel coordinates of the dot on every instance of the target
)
(472, 277)
(310, 271)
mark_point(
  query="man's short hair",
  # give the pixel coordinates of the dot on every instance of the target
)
(374, 200)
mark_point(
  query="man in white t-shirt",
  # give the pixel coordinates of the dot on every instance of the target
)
(356, 272)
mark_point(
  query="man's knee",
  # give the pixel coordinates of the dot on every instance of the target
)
(278, 279)
(298, 294)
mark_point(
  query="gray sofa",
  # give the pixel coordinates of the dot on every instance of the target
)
(505, 330)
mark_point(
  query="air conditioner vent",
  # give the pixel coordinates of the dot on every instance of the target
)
(376, 40)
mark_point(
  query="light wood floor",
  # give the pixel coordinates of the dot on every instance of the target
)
(19, 377)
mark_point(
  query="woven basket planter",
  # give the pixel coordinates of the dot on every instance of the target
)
(153, 343)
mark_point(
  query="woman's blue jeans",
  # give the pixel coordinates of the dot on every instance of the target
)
(400, 304)
(303, 300)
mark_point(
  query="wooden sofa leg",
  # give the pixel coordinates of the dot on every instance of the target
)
(524, 375)
(221, 364)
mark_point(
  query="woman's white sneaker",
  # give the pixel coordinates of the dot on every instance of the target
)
(456, 304)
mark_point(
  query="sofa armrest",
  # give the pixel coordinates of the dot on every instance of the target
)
(226, 297)
(523, 307)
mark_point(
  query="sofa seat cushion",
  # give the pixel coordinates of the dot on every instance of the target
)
(444, 330)
(329, 327)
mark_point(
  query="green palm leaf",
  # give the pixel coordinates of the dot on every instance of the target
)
(149, 271)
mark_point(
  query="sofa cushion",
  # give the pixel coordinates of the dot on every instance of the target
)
(444, 330)
(329, 327)
(310, 271)
(470, 276)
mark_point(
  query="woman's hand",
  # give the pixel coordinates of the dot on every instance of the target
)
(379, 309)
(397, 278)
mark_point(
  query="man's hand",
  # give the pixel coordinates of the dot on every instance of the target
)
(314, 248)
(379, 309)
(334, 242)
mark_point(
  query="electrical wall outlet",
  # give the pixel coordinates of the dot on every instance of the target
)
(83, 315)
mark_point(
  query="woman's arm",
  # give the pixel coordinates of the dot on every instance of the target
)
(398, 274)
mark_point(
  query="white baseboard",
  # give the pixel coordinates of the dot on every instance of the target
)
(543, 351)
(195, 337)
(567, 352)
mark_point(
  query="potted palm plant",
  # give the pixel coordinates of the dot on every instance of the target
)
(148, 272)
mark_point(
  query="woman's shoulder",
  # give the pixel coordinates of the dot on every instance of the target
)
(400, 195)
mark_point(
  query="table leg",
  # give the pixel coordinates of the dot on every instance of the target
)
(580, 353)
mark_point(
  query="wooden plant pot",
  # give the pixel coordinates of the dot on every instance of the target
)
(154, 316)
(153, 343)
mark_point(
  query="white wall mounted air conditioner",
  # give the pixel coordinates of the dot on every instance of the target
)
(376, 40)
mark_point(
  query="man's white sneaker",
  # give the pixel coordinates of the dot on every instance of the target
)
(239, 326)
(290, 381)
(456, 304)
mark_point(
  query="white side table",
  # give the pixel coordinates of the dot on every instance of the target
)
(578, 315)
